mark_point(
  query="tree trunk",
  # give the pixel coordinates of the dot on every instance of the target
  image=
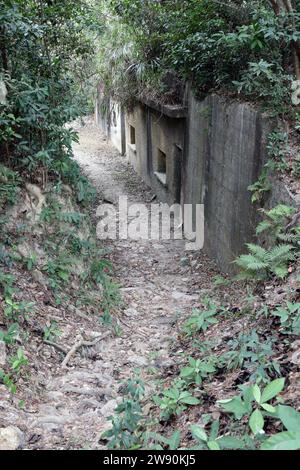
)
(3, 49)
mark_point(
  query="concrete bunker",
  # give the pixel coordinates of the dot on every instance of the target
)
(209, 152)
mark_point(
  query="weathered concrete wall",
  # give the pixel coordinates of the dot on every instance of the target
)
(209, 153)
(136, 140)
(102, 110)
(225, 151)
(110, 117)
(116, 132)
(152, 137)
(166, 139)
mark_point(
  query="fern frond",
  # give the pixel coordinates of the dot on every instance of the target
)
(280, 211)
(250, 262)
(263, 226)
(251, 276)
(280, 254)
(258, 251)
(281, 271)
(289, 238)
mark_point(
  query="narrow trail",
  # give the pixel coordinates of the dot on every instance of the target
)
(160, 282)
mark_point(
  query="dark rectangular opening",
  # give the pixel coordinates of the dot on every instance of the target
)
(161, 167)
(161, 162)
(132, 135)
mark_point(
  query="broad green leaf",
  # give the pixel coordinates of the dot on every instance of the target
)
(293, 307)
(186, 371)
(289, 417)
(214, 430)
(256, 422)
(283, 441)
(230, 443)
(272, 390)
(185, 394)
(174, 394)
(199, 433)
(268, 408)
(175, 440)
(235, 406)
(190, 401)
(213, 445)
(256, 393)
(208, 368)
(63, 275)
(283, 314)
(15, 364)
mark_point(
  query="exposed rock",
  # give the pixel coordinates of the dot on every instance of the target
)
(139, 361)
(184, 262)
(88, 404)
(3, 92)
(109, 408)
(164, 363)
(39, 277)
(11, 438)
(131, 312)
(2, 353)
(53, 420)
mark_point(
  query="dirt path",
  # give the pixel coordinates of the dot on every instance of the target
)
(159, 281)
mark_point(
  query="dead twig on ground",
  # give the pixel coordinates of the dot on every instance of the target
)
(82, 344)
(56, 346)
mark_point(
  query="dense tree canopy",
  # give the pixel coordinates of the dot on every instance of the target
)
(43, 46)
(49, 50)
(251, 47)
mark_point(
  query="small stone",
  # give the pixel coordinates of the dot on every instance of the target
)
(86, 405)
(53, 420)
(11, 438)
(2, 353)
(184, 261)
(54, 396)
(3, 92)
(131, 312)
(23, 250)
(295, 358)
(139, 361)
(164, 363)
(95, 334)
(140, 346)
(109, 408)
(39, 277)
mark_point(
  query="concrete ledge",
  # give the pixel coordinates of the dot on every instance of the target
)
(172, 111)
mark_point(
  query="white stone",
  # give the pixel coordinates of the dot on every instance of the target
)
(2, 353)
(131, 312)
(3, 92)
(109, 408)
(11, 438)
(139, 361)
(296, 93)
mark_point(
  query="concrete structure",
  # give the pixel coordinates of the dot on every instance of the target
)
(208, 152)
(155, 143)
(111, 118)
(225, 151)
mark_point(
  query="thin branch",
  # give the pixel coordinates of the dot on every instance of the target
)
(82, 344)
(56, 346)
